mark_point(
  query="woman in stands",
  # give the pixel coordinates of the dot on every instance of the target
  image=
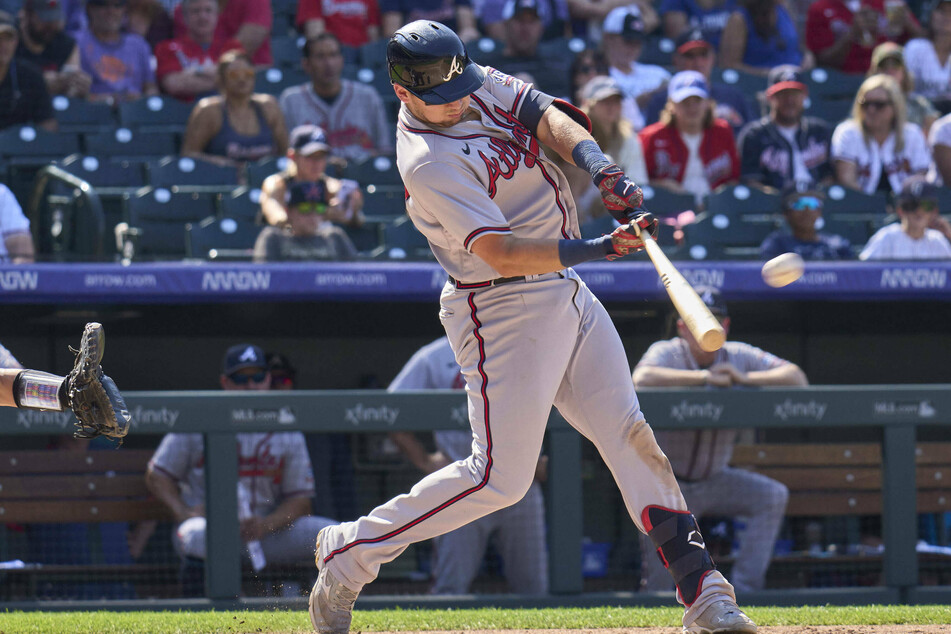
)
(239, 125)
(889, 59)
(760, 35)
(690, 150)
(929, 59)
(877, 149)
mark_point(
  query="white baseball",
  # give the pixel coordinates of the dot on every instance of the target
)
(783, 269)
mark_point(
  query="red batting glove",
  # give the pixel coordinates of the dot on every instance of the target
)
(620, 195)
(626, 239)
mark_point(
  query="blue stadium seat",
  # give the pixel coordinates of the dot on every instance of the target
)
(828, 83)
(224, 238)
(857, 232)
(243, 204)
(367, 238)
(384, 200)
(597, 227)
(259, 170)
(716, 236)
(282, 24)
(833, 111)
(402, 241)
(658, 50)
(82, 115)
(25, 149)
(187, 174)
(378, 78)
(739, 200)
(842, 201)
(123, 143)
(286, 51)
(746, 83)
(105, 173)
(156, 219)
(561, 47)
(155, 114)
(380, 170)
(663, 202)
(373, 54)
(274, 80)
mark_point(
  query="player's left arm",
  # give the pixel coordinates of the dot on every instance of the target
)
(277, 520)
(788, 374)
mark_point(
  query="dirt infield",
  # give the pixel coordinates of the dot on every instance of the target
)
(777, 629)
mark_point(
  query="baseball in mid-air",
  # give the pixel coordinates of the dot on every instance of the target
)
(783, 270)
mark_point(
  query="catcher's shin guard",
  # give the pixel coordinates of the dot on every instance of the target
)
(33, 389)
(681, 547)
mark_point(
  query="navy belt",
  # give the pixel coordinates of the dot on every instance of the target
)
(496, 282)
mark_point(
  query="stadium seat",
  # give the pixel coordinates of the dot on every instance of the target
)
(286, 51)
(123, 143)
(716, 235)
(105, 173)
(402, 241)
(857, 232)
(658, 50)
(375, 77)
(384, 200)
(282, 24)
(662, 202)
(25, 149)
(367, 238)
(597, 227)
(224, 238)
(828, 83)
(259, 170)
(242, 204)
(739, 200)
(746, 83)
(156, 219)
(373, 54)
(187, 174)
(380, 170)
(274, 80)
(561, 48)
(842, 201)
(833, 111)
(155, 114)
(82, 115)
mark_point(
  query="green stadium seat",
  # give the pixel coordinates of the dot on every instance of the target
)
(226, 238)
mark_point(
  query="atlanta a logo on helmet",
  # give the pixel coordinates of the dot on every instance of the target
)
(455, 68)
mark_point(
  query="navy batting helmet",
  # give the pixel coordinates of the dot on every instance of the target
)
(429, 60)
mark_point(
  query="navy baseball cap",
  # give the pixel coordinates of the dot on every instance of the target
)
(309, 139)
(687, 83)
(915, 189)
(713, 300)
(513, 8)
(626, 22)
(785, 77)
(241, 356)
(279, 364)
(301, 192)
(691, 39)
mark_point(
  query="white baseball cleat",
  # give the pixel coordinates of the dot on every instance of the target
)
(722, 617)
(331, 602)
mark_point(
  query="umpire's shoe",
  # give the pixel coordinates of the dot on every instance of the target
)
(331, 602)
(722, 617)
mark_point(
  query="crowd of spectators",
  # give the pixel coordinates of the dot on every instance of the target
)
(679, 120)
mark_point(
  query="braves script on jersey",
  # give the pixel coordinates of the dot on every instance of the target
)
(515, 189)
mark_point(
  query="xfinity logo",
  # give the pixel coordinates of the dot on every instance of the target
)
(30, 417)
(360, 414)
(685, 410)
(789, 409)
(19, 280)
(236, 281)
(164, 417)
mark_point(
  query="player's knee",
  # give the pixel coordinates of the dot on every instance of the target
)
(640, 437)
(779, 496)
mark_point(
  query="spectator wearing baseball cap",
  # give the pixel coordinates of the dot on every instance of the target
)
(785, 148)
(622, 40)
(308, 235)
(802, 211)
(927, 56)
(689, 149)
(694, 52)
(709, 16)
(760, 35)
(23, 93)
(912, 238)
(492, 15)
(308, 155)
(44, 43)
(888, 58)
(519, 55)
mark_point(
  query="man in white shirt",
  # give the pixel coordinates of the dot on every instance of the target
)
(939, 138)
(16, 241)
(911, 239)
(623, 41)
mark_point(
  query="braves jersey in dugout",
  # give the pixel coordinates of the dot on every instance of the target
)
(486, 174)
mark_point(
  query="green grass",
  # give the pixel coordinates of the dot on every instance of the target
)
(287, 622)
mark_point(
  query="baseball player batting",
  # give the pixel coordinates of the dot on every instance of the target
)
(526, 331)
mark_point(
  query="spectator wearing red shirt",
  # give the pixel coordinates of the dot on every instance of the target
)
(689, 150)
(354, 22)
(248, 21)
(842, 33)
(186, 65)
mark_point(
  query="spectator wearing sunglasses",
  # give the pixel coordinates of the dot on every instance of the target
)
(877, 148)
(802, 210)
(239, 125)
(274, 470)
(308, 234)
(913, 238)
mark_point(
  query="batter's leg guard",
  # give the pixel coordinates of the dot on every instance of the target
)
(680, 547)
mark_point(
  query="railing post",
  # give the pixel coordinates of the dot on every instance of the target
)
(566, 512)
(899, 507)
(223, 542)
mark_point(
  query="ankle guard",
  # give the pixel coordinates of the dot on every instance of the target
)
(680, 547)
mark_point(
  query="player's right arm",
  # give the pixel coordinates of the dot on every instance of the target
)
(165, 488)
(659, 376)
(273, 208)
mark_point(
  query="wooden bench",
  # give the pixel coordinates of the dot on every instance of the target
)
(58, 487)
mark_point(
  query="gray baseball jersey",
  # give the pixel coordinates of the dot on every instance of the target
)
(355, 122)
(520, 528)
(700, 458)
(7, 360)
(272, 466)
(522, 346)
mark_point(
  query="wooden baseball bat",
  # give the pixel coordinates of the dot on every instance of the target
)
(705, 328)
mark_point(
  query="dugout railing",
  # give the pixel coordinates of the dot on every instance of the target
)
(896, 411)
